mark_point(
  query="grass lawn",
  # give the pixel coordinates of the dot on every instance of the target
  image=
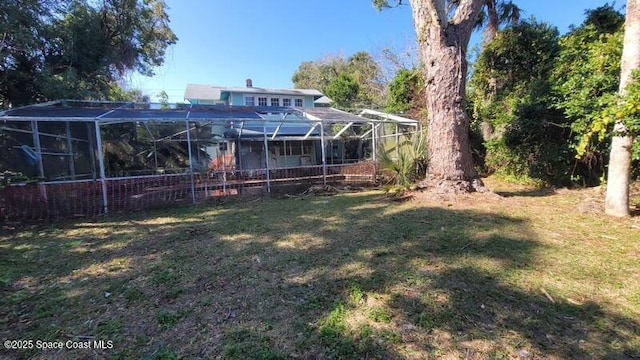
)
(355, 275)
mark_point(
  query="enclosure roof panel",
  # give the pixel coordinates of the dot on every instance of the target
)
(233, 112)
(334, 115)
(53, 112)
(255, 128)
(145, 114)
(111, 112)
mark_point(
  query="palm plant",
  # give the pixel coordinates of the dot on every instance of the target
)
(410, 165)
(497, 12)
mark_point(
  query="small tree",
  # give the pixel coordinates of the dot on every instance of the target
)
(404, 89)
(163, 99)
(343, 90)
(524, 136)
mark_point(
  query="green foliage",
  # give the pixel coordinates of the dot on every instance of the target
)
(11, 177)
(404, 91)
(162, 353)
(163, 99)
(540, 101)
(379, 314)
(623, 109)
(365, 71)
(317, 74)
(533, 147)
(343, 90)
(249, 344)
(330, 73)
(381, 4)
(409, 166)
(78, 49)
(520, 56)
(525, 138)
(167, 318)
(586, 79)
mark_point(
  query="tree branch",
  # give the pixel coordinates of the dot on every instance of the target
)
(438, 12)
(466, 14)
(386, 4)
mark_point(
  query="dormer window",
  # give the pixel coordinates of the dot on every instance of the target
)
(275, 102)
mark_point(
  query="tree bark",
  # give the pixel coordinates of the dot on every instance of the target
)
(443, 48)
(618, 177)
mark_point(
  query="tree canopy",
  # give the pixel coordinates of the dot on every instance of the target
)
(540, 99)
(78, 49)
(586, 77)
(404, 89)
(524, 136)
(332, 73)
(343, 90)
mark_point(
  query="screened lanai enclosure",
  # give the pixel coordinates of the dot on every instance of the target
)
(83, 158)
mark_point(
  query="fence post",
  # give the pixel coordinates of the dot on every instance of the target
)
(193, 185)
(266, 154)
(324, 154)
(103, 183)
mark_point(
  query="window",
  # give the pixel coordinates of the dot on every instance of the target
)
(262, 101)
(275, 102)
(297, 148)
(286, 102)
(250, 101)
(298, 102)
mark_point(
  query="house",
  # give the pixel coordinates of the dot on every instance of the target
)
(92, 157)
(293, 142)
(266, 128)
(249, 95)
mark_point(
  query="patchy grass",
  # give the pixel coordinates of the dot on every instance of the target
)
(526, 275)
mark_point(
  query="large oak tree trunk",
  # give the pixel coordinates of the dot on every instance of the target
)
(617, 198)
(443, 49)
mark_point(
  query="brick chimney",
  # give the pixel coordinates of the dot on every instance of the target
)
(249, 83)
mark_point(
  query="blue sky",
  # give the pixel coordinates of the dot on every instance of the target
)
(225, 42)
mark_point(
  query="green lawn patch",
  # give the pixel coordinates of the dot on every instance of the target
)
(354, 275)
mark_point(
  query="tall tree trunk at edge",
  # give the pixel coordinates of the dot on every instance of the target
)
(491, 29)
(617, 197)
(443, 47)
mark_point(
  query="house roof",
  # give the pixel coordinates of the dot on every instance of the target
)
(205, 92)
(208, 92)
(324, 100)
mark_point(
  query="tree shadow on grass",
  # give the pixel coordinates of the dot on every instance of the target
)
(327, 277)
(528, 193)
(517, 322)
